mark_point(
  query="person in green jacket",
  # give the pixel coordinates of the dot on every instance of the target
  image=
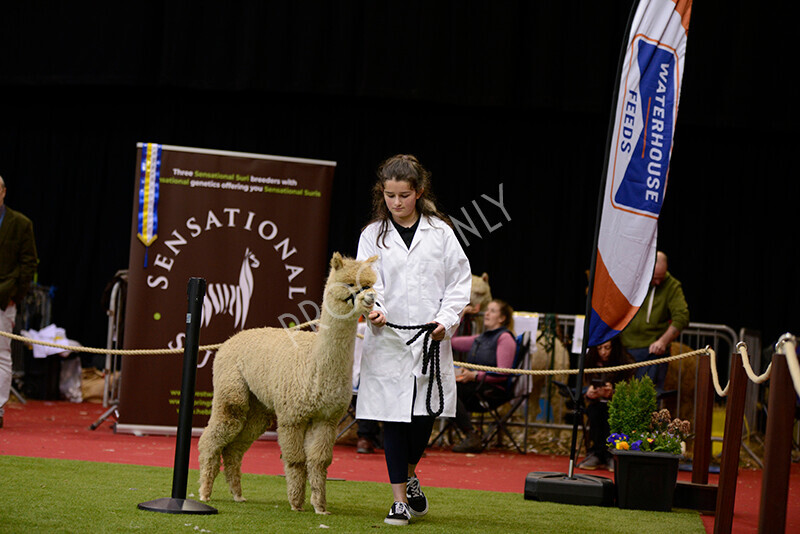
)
(18, 262)
(659, 321)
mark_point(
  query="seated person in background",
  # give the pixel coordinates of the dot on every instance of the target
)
(600, 389)
(495, 347)
(368, 436)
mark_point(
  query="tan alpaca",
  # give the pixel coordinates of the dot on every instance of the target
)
(303, 379)
(480, 294)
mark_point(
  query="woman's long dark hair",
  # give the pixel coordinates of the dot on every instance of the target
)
(403, 168)
(618, 356)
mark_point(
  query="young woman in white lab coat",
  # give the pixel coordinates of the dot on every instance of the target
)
(423, 277)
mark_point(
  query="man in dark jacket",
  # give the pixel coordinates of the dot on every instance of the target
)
(17, 267)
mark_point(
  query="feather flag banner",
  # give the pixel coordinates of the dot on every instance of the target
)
(640, 147)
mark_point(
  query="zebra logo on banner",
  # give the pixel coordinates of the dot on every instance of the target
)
(230, 299)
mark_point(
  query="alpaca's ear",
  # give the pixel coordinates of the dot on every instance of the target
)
(485, 277)
(336, 261)
(373, 259)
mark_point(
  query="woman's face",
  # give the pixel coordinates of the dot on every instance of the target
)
(401, 200)
(492, 317)
(604, 351)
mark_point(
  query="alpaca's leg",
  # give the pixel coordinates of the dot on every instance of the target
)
(225, 423)
(290, 439)
(256, 424)
(208, 459)
(319, 454)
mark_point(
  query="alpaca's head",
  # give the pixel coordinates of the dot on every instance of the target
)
(481, 294)
(348, 291)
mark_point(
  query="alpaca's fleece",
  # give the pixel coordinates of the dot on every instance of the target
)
(302, 379)
(481, 293)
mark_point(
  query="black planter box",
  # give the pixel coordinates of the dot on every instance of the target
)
(645, 480)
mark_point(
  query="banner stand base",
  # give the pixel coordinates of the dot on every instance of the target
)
(587, 490)
(171, 505)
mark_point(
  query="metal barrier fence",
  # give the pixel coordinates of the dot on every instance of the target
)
(115, 310)
(722, 338)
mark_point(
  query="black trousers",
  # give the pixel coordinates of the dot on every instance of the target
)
(597, 413)
(404, 443)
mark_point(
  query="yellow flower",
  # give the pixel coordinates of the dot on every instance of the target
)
(623, 445)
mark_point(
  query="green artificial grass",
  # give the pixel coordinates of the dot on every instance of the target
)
(53, 496)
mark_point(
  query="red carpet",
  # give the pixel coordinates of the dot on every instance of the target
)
(61, 430)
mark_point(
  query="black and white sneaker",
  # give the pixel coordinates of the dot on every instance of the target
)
(417, 502)
(398, 514)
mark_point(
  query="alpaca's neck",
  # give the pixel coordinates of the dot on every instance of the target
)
(335, 342)
(335, 330)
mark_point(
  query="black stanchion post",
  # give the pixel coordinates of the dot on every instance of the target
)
(178, 503)
(183, 442)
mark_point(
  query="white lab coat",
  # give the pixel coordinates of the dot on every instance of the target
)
(428, 281)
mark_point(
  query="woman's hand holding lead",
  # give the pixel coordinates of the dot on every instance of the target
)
(438, 332)
(377, 318)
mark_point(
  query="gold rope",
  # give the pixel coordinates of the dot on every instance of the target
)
(705, 351)
(121, 352)
(137, 352)
(787, 345)
(742, 348)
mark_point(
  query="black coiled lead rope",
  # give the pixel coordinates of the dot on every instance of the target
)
(430, 354)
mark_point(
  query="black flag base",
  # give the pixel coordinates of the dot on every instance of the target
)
(586, 490)
(171, 505)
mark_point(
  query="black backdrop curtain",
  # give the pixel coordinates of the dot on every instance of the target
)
(484, 93)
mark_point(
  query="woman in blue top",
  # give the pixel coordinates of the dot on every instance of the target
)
(495, 347)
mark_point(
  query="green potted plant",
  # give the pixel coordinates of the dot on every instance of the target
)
(646, 444)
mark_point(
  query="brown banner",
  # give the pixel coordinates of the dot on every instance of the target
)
(254, 227)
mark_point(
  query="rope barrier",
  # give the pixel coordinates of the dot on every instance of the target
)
(137, 352)
(742, 348)
(123, 352)
(787, 345)
(715, 378)
(476, 367)
(132, 352)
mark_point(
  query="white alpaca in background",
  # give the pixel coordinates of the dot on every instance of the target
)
(230, 299)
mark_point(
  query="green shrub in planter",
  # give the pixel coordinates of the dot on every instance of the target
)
(635, 424)
(631, 406)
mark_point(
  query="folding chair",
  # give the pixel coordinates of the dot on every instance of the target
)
(492, 400)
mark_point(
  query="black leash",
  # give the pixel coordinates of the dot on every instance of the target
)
(430, 354)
